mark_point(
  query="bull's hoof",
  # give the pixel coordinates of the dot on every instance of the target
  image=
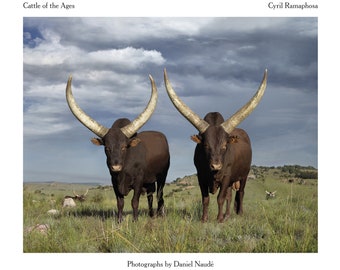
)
(239, 212)
(221, 219)
(161, 212)
(135, 218)
(204, 219)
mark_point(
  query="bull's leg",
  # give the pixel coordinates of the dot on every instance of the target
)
(205, 201)
(135, 203)
(160, 200)
(238, 203)
(160, 208)
(120, 205)
(220, 201)
(228, 203)
(150, 190)
(150, 201)
(120, 200)
(205, 204)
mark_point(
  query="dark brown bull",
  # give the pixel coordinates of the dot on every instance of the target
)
(135, 160)
(223, 152)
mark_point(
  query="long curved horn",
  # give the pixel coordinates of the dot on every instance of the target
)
(200, 124)
(83, 118)
(100, 130)
(247, 109)
(136, 124)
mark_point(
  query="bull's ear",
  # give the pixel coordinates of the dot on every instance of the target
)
(233, 139)
(196, 138)
(97, 141)
(134, 141)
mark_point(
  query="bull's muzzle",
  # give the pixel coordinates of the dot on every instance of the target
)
(116, 168)
(216, 166)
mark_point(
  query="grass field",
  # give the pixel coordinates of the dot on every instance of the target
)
(284, 224)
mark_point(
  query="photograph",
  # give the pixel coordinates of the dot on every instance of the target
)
(191, 128)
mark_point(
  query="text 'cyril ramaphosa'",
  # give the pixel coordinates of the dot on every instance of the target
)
(288, 5)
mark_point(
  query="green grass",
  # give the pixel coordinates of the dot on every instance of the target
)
(287, 223)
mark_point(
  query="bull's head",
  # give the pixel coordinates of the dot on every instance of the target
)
(270, 194)
(116, 144)
(214, 132)
(121, 135)
(80, 197)
(214, 141)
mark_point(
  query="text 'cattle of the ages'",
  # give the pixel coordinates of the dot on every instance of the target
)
(47, 5)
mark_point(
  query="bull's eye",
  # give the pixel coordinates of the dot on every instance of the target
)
(107, 151)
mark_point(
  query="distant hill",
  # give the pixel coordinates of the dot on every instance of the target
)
(286, 173)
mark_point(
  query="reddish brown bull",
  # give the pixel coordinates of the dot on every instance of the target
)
(223, 152)
(135, 160)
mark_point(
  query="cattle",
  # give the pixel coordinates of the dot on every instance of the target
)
(223, 152)
(69, 201)
(78, 197)
(270, 194)
(136, 161)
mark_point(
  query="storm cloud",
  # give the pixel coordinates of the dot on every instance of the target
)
(214, 64)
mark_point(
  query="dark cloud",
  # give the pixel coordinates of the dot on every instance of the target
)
(214, 64)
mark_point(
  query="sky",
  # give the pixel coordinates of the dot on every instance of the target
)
(213, 63)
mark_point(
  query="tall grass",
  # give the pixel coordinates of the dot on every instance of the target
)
(287, 223)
